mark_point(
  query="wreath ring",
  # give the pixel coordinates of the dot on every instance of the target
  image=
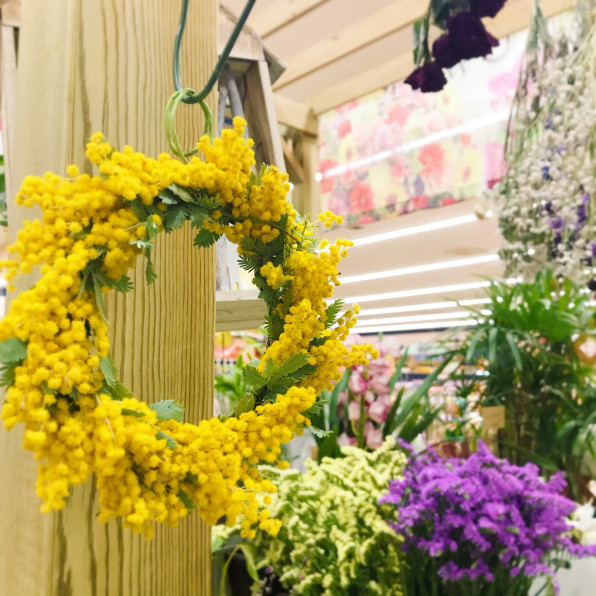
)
(62, 385)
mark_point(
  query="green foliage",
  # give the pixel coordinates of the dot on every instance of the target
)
(332, 313)
(12, 351)
(175, 217)
(231, 386)
(410, 414)
(183, 496)
(205, 238)
(245, 404)
(112, 386)
(124, 284)
(168, 409)
(116, 390)
(150, 275)
(527, 346)
(108, 369)
(130, 412)
(252, 387)
(161, 435)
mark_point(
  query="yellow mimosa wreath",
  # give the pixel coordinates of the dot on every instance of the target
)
(62, 384)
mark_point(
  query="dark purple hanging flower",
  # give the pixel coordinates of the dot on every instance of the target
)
(486, 8)
(468, 37)
(429, 78)
(445, 53)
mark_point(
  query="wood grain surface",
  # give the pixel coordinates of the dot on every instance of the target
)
(106, 65)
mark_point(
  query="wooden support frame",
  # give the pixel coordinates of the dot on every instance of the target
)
(86, 66)
(296, 115)
(239, 310)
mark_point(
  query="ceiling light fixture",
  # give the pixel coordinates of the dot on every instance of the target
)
(416, 326)
(412, 231)
(445, 290)
(460, 314)
(421, 268)
(426, 306)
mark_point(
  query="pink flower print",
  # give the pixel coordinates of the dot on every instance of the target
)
(327, 183)
(421, 202)
(446, 201)
(432, 159)
(344, 128)
(361, 197)
(366, 219)
(398, 114)
(493, 163)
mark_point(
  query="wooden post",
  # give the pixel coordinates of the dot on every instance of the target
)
(309, 192)
(106, 65)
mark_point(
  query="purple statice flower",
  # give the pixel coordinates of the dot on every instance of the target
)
(481, 520)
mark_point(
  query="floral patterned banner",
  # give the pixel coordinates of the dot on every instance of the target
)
(398, 150)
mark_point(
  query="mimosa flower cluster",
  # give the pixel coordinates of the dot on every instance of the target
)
(62, 384)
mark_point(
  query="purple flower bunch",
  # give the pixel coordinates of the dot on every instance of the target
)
(465, 37)
(482, 522)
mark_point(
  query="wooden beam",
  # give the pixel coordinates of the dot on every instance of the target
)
(8, 76)
(368, 30)
(259, 110)
(307, 151)
(296, 115)
(11, 13)
(513, 18)
(103, 65)
(239, 310)
(280, 14)
(247, 47)
(293, 160)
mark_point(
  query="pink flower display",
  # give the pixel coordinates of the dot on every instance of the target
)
(373, 436)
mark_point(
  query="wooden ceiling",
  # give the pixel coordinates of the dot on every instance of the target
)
(338, 50)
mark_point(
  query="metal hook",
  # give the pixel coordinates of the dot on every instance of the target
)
(197, 97)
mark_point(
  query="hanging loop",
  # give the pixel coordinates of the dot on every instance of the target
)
(199, 97)
(169, 122)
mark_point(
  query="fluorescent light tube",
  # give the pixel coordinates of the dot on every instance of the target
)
(418, 292)
(460, 314)
(415, 327)
(421, 268)
(412, 231)
(426, 306)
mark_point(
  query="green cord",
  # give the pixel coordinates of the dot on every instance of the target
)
(199, 97)
(169, 123)
(188, 95)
